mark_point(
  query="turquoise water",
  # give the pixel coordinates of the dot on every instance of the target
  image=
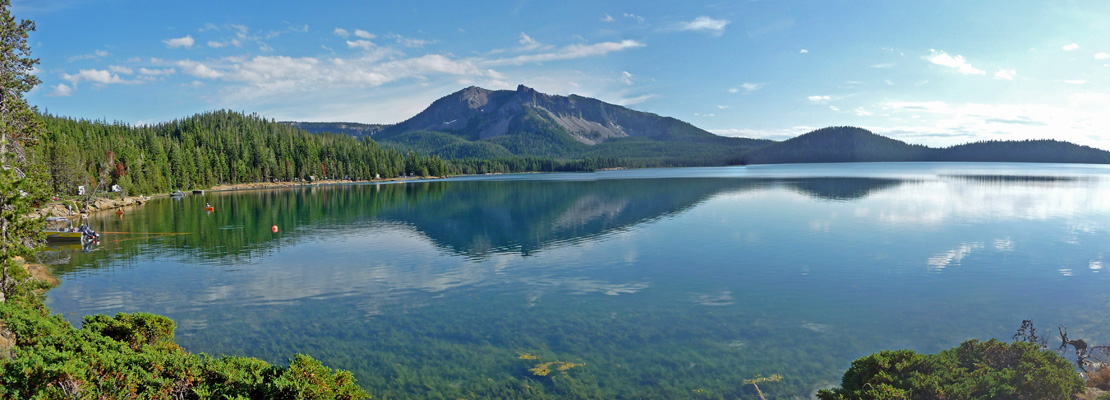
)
(661, 283)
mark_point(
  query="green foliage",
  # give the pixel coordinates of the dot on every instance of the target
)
(19, 128)
(974, 370)
(1104, 396)
(209, 149)
(132, 356)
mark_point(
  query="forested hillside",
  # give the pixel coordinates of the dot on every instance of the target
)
(210, 149)
(851, 144)
(347, 128)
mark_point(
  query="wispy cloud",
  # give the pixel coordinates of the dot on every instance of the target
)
(364, 34)
(714, 27)
(1070, 47)
(884, 65)
(567, 52)
(341, 32)
(97, 76)
(747, 87)
(635, 17)
(608, 18)
(93, 55)
(1005, 74)
(803, 51)
(61, 90)
(361, 44)
(943, 59)
(186, 42)
(819, 99)
(1102, 56)
(626, 78)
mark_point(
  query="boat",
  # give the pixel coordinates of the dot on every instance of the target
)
(61, 230)
(177, 194)
(198, 191)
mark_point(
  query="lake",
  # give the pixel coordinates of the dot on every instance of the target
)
(656, 283)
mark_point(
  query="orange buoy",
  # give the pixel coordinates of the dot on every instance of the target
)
(274, 229)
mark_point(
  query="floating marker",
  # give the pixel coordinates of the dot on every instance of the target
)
(274, 229)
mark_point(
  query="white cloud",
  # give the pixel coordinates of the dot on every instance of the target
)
(527, 43)
(97, 76)
(341, 32)
(884, 65)
(626, 78)
(943, 59)
(1070, 47)
(944, 124)
(568, 52)
(121, 70)
(747, 87)
(216, 45)
(720, 107)
(61, 90)
(803, 51)
(635, 17)
(364, 34)
(627, 101)
(1102, 56)
(93, 55)
(361, 44)
(819, 99)
(608, 18)
(410, 42)
(1005, 74)
(860, 111)
(208, 27)
(186, 42)
(156, 72)
(198, 69)
(715, 27)
(1075, 82)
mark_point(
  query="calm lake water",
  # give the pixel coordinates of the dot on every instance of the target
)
(661, 283)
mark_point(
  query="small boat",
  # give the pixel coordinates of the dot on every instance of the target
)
(198, 192)
(61, 230)
(177, 194)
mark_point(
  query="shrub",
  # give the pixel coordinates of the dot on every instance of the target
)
(973, 370)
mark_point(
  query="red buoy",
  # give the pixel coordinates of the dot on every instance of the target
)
(274, 229)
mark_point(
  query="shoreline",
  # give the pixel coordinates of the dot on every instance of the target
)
(104, 204)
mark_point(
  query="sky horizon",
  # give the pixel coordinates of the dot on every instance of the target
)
(933, 73)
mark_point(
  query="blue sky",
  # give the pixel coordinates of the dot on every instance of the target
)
(929, 72)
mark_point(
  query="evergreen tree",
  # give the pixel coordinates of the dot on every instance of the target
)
(19, 128)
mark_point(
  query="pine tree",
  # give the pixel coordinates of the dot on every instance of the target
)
(19, 128)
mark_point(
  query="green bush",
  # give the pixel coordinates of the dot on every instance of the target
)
(133, 356)
(973, 370)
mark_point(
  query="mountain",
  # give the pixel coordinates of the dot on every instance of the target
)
(837, 144)
(481, 123)
(347, 128)
(851, 144)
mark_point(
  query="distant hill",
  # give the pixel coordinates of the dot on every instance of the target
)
(347, 128)
(837, 144)
(1048, 151)
(481, 123)
(851, 144)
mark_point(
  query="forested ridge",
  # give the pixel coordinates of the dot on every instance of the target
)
(852, 144)
(210, 149)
